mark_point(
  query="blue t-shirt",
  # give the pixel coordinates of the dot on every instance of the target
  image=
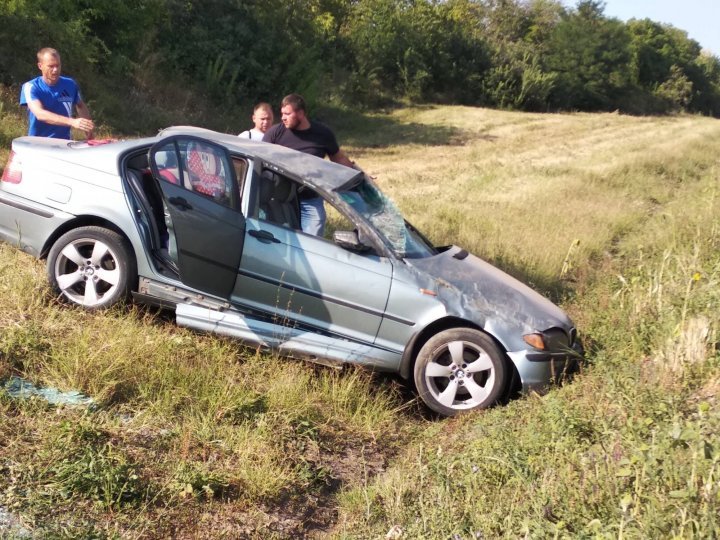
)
(59, 99)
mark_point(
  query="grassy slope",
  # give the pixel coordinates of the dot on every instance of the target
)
(613, 216)
(631, 448)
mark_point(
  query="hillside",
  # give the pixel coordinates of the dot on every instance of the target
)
(613, 217)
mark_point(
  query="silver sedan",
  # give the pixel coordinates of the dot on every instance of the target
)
(208, 225)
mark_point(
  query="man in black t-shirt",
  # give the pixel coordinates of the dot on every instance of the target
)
(298, 132)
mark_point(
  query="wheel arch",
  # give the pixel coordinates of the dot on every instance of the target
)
(117, 257)
(82, 221)
(89, 221)
(416, 343)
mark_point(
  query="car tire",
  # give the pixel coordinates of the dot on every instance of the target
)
(92, 267)
(460, 369)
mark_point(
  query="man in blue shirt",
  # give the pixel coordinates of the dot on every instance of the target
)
(50, 100)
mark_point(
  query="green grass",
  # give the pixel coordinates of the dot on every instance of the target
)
(196, 436)
(630, 448)
(184, 420)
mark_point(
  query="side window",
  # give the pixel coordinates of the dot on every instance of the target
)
(199, 167)
(167, 163)
(336, 221)
(351, 238)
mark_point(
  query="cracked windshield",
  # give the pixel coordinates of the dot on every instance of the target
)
(381, 211)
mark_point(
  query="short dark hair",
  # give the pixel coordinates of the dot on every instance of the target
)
(296, 101)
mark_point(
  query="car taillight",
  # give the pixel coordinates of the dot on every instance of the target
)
(13, 169)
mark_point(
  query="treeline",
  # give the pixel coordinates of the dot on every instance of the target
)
(524, 54)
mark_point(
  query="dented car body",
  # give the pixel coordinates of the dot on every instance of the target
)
(207, 224)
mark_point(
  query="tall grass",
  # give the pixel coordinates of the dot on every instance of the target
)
(630, 448)
(194, 436)
(520, 190)
(182, 419)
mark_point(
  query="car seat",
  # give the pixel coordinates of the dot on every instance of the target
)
(205, 168)
(278, 200)
(160, 230)
(149, 205)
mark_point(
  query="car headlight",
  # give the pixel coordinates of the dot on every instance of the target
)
(535, 340)
(553, 339)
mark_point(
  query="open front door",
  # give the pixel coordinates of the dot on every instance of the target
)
(202, 211)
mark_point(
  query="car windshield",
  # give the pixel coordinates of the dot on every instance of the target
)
(368, 201)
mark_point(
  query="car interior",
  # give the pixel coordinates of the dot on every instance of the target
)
(278, 202)
(157, 224)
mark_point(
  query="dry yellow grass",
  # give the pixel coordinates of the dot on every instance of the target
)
(521, 188)
(629, 448)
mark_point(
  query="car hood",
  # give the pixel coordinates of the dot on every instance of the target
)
(475, 290)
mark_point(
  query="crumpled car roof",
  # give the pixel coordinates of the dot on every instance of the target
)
(317, 172)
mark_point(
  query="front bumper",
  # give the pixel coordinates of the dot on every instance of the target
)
(540, 369)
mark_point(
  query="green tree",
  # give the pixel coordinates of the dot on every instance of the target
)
(671, 69)
(591, 55)
(417, 49)
(527, 54)
(656, 48)
(517, 34)
(707, 92)
(676, 90)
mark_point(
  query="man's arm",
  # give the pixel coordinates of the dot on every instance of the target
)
(341, 158)
(81, 123)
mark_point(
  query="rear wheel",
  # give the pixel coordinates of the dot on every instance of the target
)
(458, 370)
(91, 266)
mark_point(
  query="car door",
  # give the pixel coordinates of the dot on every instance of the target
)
(309, 282)
(202, 211)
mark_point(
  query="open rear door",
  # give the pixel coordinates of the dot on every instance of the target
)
(202, 211)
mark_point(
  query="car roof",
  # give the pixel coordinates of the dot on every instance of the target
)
(316, 172)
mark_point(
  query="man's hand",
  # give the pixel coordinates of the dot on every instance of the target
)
(84, 124)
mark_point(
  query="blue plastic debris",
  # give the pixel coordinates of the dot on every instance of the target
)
(19, 388)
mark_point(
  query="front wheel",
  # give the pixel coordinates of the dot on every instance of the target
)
(92, 267)
(458, 370)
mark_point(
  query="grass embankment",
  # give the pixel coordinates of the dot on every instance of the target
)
(619, 217)
(614, 217)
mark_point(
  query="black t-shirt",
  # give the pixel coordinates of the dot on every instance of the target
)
(318, 140)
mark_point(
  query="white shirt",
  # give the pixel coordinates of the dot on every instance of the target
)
(253, 134)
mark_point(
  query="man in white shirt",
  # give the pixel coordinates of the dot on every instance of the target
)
(262, 118)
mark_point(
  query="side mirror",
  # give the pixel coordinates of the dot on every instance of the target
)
(349, 240)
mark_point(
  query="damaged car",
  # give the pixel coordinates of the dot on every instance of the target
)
(208, 225)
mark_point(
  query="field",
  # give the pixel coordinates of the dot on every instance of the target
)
(613, 217)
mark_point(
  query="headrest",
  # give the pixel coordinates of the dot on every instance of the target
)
(202, 160)
(205, 168)
(275, 187)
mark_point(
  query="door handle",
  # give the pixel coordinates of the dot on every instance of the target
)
(264, 236)
(180, 203)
